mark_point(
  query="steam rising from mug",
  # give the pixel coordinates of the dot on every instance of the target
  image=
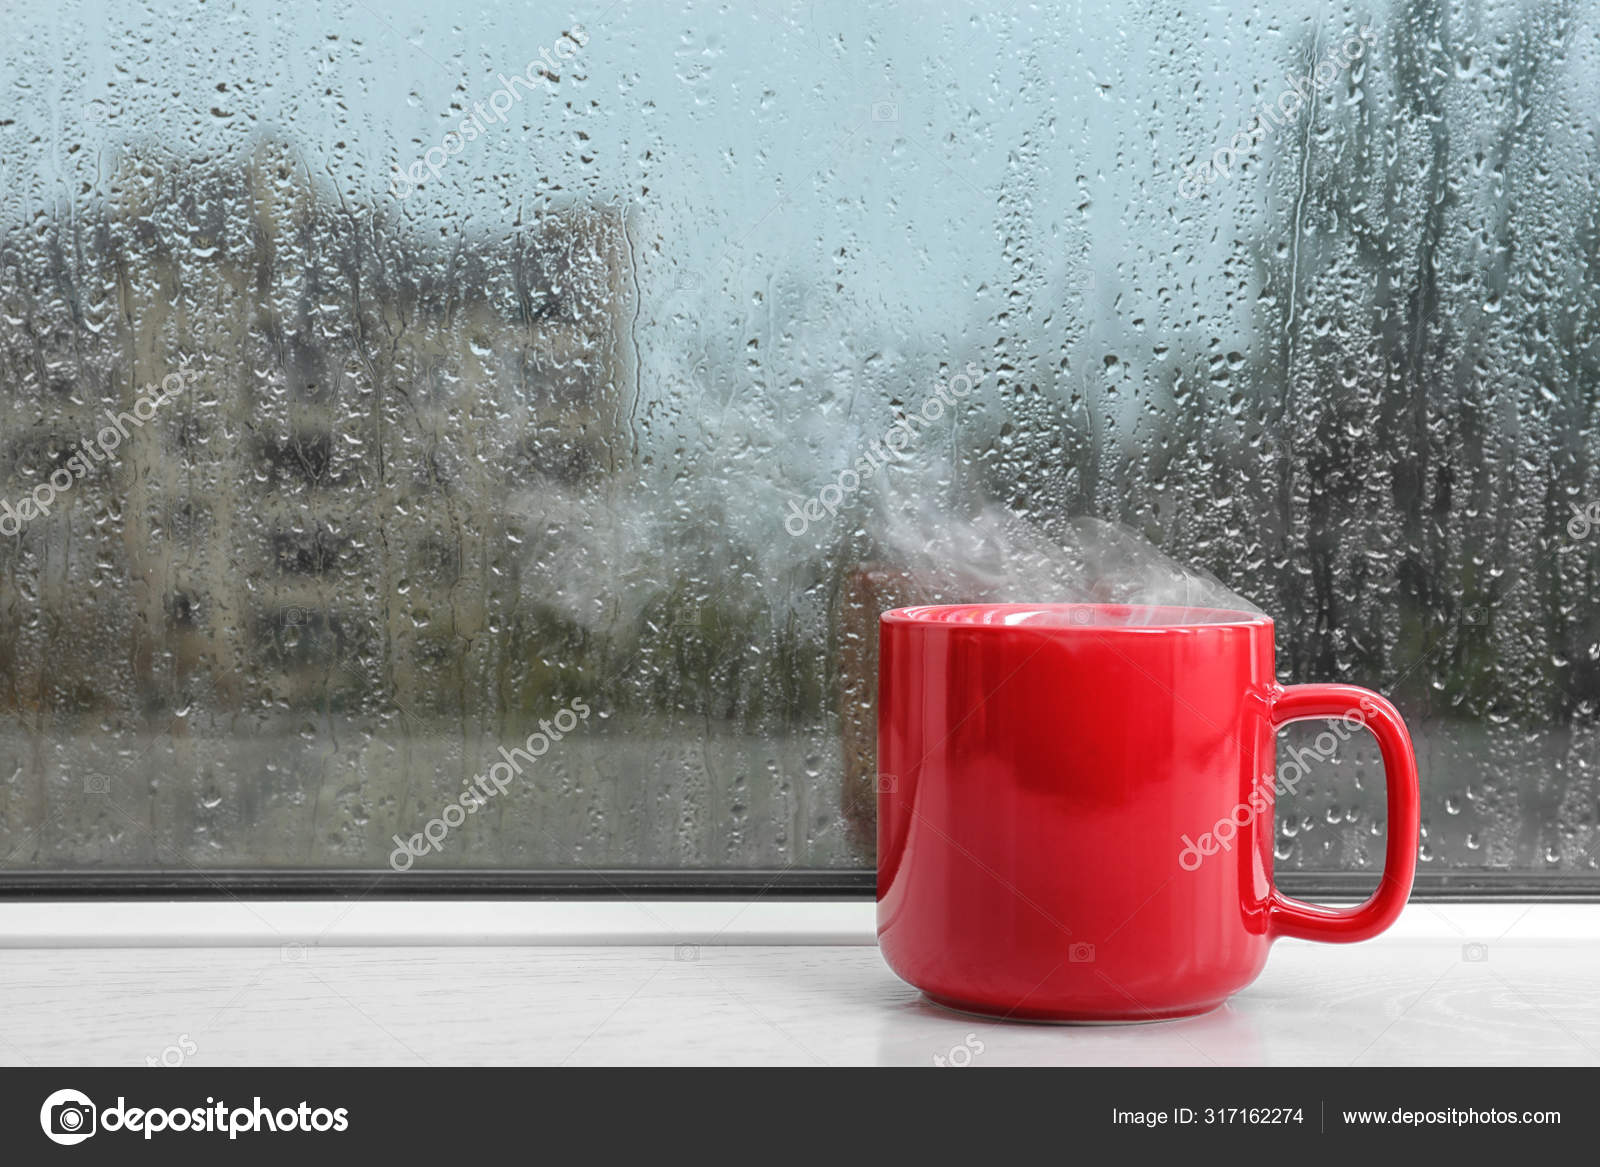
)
(613, 559)
(998, 556)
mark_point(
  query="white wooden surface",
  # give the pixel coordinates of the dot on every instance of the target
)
(1419, 995)
(420, 923)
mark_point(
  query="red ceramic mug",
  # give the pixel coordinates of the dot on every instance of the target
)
(1075, 807)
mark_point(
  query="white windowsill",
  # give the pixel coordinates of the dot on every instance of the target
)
(431, 922)
(229, 923)
(704, 982)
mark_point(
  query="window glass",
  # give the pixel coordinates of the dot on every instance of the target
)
(513, 416)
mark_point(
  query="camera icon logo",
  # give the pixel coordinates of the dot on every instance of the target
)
(885, 111)
(1475, 953)
(68, 1117)
(1081, 954)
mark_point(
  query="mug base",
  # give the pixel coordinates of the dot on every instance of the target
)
(1052, 1017)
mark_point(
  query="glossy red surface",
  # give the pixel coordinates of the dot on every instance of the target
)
(1075, 807)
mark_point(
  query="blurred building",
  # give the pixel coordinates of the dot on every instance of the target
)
(318, 517)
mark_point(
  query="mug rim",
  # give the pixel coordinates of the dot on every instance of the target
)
(1167, 617)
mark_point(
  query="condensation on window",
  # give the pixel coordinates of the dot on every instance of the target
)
(484, 436)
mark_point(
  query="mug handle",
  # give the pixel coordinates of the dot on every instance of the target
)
(1291, 917)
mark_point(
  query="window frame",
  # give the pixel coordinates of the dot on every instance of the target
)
(659, 883)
